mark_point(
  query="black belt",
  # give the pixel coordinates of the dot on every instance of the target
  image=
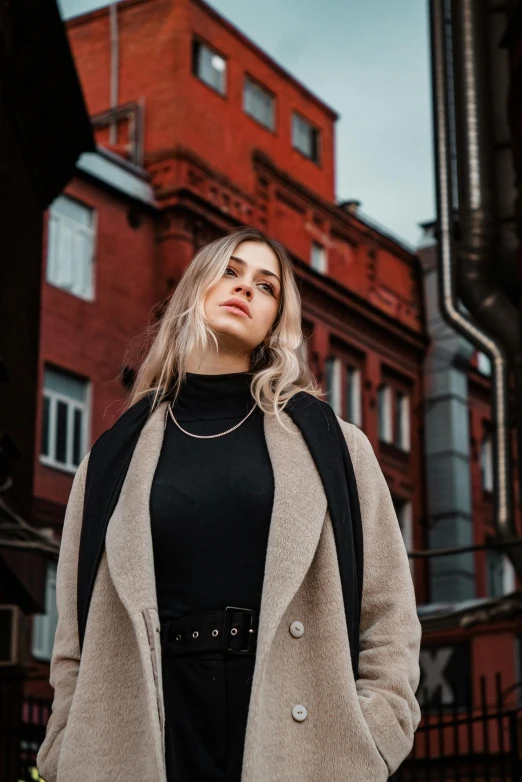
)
(232, 630)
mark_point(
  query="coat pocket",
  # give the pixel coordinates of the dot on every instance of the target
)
(378, 752)
(152, 625)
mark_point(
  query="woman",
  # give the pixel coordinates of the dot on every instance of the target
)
(216, 642)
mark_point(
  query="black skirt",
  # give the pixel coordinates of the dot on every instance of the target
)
(207, 696)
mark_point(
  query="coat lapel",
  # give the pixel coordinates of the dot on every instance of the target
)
(297, 518)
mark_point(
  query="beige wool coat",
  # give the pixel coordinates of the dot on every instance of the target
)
(107, 721)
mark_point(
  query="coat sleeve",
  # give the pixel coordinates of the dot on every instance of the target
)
(390, 631)
(65, 660)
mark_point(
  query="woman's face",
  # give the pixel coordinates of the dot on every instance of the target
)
(253, 278)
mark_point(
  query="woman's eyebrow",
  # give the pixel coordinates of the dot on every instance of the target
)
(266, 272)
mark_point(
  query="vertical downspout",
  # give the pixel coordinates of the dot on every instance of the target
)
(115, 65)
(504, 519)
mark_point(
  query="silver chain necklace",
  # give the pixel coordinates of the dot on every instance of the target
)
(204, 436)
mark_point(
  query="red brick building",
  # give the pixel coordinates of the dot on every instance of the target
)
(211, 133)
(200, 131)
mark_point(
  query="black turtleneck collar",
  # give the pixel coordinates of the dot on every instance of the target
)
(214, 396)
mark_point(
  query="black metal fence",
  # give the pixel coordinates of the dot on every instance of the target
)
(21, 734)
(469, 740)
(479, 741)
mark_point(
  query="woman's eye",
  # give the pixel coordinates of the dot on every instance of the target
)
(267, 284)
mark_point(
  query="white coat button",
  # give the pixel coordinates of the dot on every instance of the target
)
(297, 629)
(299, 713)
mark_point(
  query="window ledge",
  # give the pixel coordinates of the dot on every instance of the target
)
(394, 453)
(85, 297)
(46, 462)
(307, 157)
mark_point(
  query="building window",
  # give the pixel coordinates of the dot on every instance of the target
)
(384, 413)
(402, 421)
(318, 257)
(348, 391)
(259, 103)
(404, 512)
(486, 462)
(70, 247)
(483, 364)
(333, 384)
(209, 66)
(353, 395)
(500, 573)
(44, 625)
(305, 137)
(64, 420)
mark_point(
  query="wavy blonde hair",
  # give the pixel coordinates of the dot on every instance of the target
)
(279, 367)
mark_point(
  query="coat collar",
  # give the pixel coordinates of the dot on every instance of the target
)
(298, 514)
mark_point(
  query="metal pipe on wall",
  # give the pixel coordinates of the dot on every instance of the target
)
(115, 67)
(484, 301)
(480, 292)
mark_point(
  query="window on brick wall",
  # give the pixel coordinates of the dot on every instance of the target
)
(333, 367)
(384, 413)
(486, 462)
(343, 388)
(393, 416)
(305, 137)
(402, 420)
(500, 573)
(404, 511)
(259, 103)
(70, 247)
(483, 363)
(352, 385)
(65, 421)
(209, 66)
(44, 625)
(318, 259)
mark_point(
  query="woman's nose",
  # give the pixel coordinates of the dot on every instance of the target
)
(246, 288)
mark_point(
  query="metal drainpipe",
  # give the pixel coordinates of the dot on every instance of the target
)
(115, 63)
(481, 294)
(475, 209)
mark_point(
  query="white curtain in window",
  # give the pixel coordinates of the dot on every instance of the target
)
(70, 246)
(44, 625)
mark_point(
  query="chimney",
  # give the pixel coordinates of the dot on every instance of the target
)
(351, 206)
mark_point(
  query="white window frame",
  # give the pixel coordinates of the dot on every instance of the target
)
(218, 64)
(301, 127)
(486, 462)
(318, 257)
(384, 413)
(44, 625)
(353, 395)
(483, 363)
(54, 397)
(254, 95)
(509, 576)
(494, 557)
(73, 274)
(403, 436)
(335, 388)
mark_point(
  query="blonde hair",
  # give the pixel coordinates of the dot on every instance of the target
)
(279, 368)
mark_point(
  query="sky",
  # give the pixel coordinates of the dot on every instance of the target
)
(369, 60)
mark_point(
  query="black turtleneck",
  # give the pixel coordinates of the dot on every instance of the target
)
(211, 500)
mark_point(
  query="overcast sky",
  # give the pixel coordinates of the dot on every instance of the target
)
(369, 60)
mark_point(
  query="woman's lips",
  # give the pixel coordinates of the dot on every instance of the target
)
(234, 309)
